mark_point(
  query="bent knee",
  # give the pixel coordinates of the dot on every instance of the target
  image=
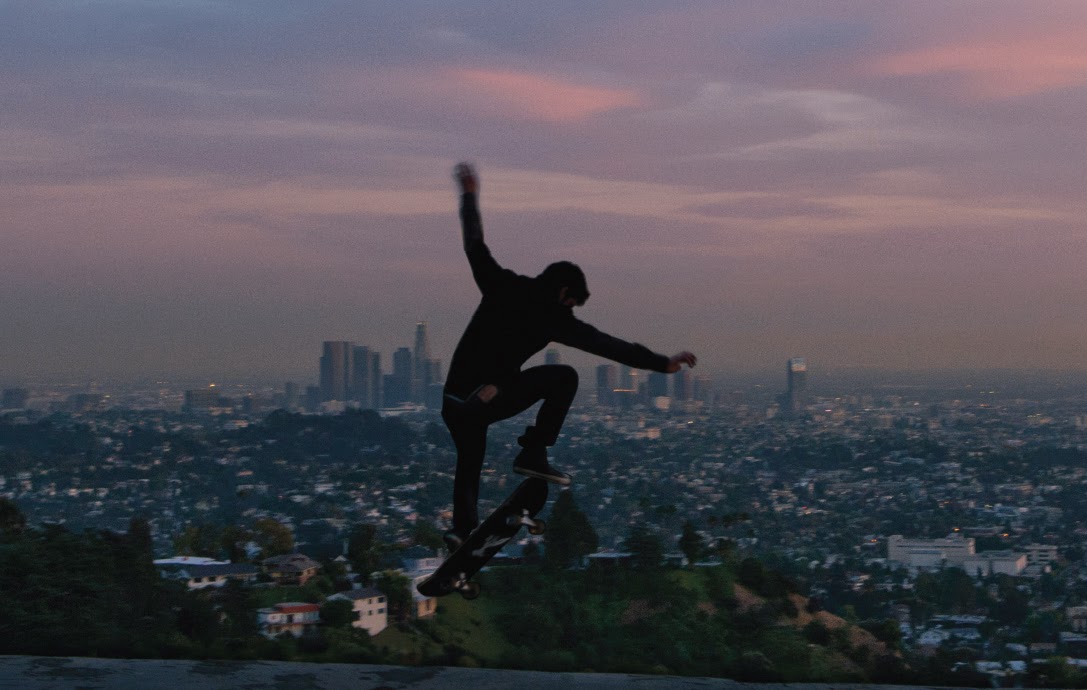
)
(566, 375)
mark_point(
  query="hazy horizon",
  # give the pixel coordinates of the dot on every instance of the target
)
(205, 189)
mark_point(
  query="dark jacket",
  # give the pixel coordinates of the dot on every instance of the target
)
(517, 317)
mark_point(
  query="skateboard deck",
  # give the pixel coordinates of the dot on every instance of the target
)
(496, 531)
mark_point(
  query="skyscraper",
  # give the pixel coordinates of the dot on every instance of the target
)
(398, 385)
(377, 390)
(420, 363)
(796, 376)
(658, 384)
(552, 356)
(366, 377)
(682, 385)
(607, 377)
(336, 369)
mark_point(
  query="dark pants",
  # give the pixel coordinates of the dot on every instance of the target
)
(555, 384)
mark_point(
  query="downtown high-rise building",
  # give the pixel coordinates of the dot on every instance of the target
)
(657, 384)
(796, 382)
(420, 363)
(552, 357)
(336, 370)
(682, 385)
(398, 385)
(607, 379)
(366, 377)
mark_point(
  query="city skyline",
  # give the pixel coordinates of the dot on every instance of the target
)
(206, 189)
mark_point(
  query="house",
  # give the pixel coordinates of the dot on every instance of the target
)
(290, 569)
(293, 617)
(214, 575)
(369, 606)
(1077, 617)
(417, 569)
(933, 638)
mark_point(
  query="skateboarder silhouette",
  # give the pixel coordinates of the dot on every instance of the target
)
(517, 317)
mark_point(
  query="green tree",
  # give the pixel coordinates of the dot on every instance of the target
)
(232, 541)
(752, 574)
(646, 548)
(428, 536)
(363, 549)
(12, 520)
(885, 630)
(569, 535)
(273, 537)
(397, 591)
(691, 543)
(337, 613)
(198, 540)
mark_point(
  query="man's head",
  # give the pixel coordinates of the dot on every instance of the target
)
(567, 281)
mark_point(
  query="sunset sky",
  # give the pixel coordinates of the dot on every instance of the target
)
(211, 188)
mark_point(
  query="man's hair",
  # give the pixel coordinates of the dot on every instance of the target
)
(564, 274)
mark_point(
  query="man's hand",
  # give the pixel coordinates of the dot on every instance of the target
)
(466, 178)
(677, 362)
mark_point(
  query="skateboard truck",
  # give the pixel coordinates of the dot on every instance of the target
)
(534, 526)
(468, 590)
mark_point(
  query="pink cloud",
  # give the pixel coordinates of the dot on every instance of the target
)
(1001, 66)
(539, 97)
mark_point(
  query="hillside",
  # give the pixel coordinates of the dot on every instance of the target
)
(669, 622)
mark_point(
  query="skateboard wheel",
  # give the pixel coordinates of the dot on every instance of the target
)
(537, 527)
(470, 591)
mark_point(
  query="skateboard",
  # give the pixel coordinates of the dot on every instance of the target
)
(520, 509)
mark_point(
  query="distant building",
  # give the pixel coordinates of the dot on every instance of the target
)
(1041, 556)
(290, 569)
(418, 569)
(952, 550)
(433, 383)
(995, 563)
(85, 402)
(203, 576)
(366, 377)
(290, 396)
(369, 607)
(657, 385)
(312, 398)
(552, 356)
(1077, 618)
(398, 384)
(201, 399)
(293, 617)
(336, 366)
(703, 388)
(14, 399)
(683, 385)
(420, 363)
(607, 380)
(796, 380)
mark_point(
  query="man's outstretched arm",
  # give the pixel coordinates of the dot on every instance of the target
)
(581, 335)
(485, 269)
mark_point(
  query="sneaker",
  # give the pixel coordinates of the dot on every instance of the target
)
(532, 462)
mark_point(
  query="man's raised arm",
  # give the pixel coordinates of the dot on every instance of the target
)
(485, 269)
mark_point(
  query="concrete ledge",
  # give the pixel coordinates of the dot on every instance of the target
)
(65, 673)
